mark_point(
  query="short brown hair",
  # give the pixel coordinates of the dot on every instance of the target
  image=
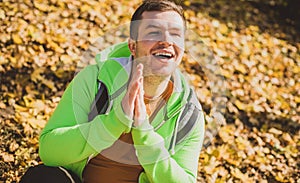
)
(152, 5)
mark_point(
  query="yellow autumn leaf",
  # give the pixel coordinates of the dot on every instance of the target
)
(36, 123)
(187, 3)
(242, 143)
(257, 108)
(54, 46)
(38, 106)
(275, 131)
(66, 59)
(296, 69)
(279, 177)
(223, 29)
(49, 84)
(2, 14)
(240, 105)
(209, 168)
(287, 137)
(241, 68)
(17, 39)
(238, 174)
(2, 105)
(41, 6)
(233, 160)
(226, 73)
(20, 108)
(85, 8)
(226, 133)
(297, 99)
(36, 75)
(7, 157)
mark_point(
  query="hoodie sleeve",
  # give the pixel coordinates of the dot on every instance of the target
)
(68, 137)
(159, 165)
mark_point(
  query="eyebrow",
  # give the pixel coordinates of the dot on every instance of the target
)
(177, 28)
(152, 26)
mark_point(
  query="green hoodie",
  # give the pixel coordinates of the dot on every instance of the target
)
(69, 140)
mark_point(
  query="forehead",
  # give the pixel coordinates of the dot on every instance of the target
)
(170, 19)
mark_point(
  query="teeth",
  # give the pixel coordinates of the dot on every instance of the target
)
(163, 54)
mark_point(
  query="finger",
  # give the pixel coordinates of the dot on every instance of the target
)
(132, 92)
(138, 72)
(135, 82)
(137, 111)
(141, 95)
(140, 67)
(137, 102)
(140, 108)
(136, 107)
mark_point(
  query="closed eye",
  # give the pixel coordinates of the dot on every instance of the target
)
(154, 33)
(178, 35)
(175, 34)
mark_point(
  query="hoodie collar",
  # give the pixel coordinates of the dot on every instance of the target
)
(179, 95)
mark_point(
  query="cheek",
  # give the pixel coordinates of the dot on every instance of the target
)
(142, 53)
(145, 46)
(180, 53)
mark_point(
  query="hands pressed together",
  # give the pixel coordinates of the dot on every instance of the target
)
(133, 102)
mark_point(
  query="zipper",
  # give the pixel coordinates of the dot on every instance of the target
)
(174, 136)
(166, 118)
(110, 104)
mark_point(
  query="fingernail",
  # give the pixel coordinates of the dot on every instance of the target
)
(140, 66)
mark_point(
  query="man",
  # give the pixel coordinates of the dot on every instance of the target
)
(134, 141)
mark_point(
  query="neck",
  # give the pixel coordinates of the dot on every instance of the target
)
(154, 86)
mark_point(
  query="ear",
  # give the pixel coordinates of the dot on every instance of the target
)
(132, 46)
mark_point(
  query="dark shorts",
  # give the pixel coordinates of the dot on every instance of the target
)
(46, 174)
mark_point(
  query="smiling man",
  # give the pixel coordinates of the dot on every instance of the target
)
(153, 127)
(157, 46)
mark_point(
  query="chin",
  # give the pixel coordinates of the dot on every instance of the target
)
(164, 72)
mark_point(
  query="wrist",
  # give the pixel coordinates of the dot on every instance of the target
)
(144, 126)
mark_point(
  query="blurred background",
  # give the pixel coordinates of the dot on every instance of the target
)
(243, 59)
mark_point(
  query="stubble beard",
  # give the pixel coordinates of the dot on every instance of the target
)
(150, 75)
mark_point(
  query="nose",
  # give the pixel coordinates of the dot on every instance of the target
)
(166, 38)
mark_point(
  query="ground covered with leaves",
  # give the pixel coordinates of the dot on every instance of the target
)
(245, 64)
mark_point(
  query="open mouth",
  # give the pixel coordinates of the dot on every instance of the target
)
(163, 55)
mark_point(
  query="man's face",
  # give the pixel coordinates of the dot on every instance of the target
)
(160, 42)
